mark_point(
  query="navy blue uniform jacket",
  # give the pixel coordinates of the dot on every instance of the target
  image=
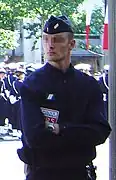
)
(78, 99)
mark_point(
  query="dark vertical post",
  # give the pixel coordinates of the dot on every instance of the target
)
(112, 85)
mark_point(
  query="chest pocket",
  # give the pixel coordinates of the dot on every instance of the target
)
(47, 100)
(49, 108)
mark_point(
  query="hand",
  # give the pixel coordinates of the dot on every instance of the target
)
(55, 126)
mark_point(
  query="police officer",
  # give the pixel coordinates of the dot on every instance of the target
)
(15, 98)
(3, 97)
(62, 112)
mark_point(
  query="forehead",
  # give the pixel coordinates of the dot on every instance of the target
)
(58, 35)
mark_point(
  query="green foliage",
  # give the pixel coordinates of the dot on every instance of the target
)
(5, 12)
(44, 8)
(96, 26)
(96, 49)
(13, 11)
(7, 40)
(78, 19)
(79, 22)
(97, 20)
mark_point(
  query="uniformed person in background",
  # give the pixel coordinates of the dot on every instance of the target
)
(62, 112)
(8, 82)
(32, 67)
(29, 70)
(3, 98)
(15, 98)
(86, 68)
(103, 81)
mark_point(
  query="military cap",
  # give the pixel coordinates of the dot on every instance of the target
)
(83, 66)
(20, 70)
(2, 70)
(37, 65)
(57, 24)
(106, 67)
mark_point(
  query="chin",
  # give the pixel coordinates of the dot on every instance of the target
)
(55, 59)
(52, 59)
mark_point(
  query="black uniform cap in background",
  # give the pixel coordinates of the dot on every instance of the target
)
(58, 24)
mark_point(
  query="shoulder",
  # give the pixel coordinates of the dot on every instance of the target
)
(31, 82)
(86, 79)
(89, 85)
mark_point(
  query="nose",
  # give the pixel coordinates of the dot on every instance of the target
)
(51, 43)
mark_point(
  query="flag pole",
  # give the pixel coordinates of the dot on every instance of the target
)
(88, 10)
(105, 34)
(87, 36)
(112, 89)
(105, 37)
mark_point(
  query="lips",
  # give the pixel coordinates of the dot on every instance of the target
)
(51, 53)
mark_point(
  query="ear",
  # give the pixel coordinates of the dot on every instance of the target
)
(72, 44)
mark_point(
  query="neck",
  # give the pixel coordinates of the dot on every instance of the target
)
(62, 65)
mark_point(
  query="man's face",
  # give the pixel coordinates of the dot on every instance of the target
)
(57, 47)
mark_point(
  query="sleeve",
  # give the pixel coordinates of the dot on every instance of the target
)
(95, 129)
(32, 120)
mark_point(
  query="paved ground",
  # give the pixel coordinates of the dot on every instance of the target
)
(102, 161)
(11, 168)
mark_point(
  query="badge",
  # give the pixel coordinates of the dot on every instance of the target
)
(50, 115)
(104, 97)
(56, 26)
(50, 97)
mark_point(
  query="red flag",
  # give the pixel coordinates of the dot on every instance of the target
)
(88, 19)
(87, 36)
(105, 33)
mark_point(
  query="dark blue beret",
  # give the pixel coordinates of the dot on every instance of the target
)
(58, 24)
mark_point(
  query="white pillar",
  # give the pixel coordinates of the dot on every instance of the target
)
(29, 55)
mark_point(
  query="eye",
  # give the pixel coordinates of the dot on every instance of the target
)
(45, 38)
(58, 39)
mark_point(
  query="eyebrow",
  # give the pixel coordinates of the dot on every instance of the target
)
(60, 36)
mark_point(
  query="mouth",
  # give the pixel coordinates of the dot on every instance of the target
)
(50, 53)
